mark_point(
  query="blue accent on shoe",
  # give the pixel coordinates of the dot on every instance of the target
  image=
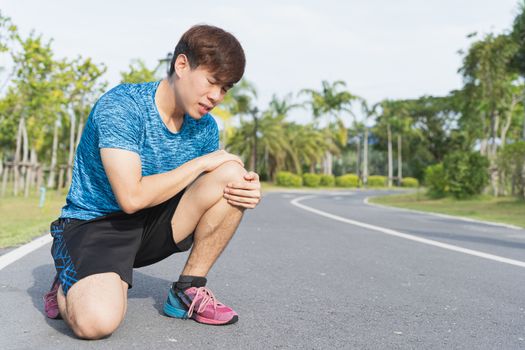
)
(173, 307)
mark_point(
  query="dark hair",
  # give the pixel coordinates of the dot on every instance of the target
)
(213, 48)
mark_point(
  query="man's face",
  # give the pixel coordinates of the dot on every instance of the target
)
(199, 91)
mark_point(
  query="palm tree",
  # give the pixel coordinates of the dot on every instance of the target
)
(368, 112)
(282, 106)
(392, 114)
(240, 99)
(270, 135)
(308, 144)
(329, 103)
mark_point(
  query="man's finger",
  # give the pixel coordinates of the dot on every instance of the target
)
(241, 199)
(242, 205)
(243, 193)
(245, 185)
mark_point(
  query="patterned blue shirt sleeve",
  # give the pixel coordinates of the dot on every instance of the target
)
(119, 123)
(212, 137)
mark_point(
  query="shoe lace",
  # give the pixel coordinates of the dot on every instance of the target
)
(206, 297)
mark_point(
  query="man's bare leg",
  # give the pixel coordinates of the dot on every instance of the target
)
(204, 211)
(95, 305)
(214, 231)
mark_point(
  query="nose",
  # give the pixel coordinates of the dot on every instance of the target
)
(215, 94)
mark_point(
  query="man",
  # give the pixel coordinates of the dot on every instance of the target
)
(149, 181)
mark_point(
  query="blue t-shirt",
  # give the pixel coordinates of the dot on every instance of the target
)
(126, 117)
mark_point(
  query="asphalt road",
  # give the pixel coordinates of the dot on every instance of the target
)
(300, 280)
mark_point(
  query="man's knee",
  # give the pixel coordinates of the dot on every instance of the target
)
(96, 305)
(94, 324)
(229, 172)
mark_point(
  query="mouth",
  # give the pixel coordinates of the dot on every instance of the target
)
(205, 108)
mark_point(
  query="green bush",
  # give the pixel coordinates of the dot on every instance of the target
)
(466, 173)
(328, 180)
(311, 180)
(376, 181)
(409, 182)
(347, 180)
(435, 181)
(287, 179)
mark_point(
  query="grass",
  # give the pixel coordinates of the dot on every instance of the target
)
(508, 210)
(22, 220)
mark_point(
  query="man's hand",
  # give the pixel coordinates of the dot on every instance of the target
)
(212, 160)
(245, 194)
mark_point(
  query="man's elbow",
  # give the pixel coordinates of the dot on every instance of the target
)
(130, 205)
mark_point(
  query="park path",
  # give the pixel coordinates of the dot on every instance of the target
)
(303, 280)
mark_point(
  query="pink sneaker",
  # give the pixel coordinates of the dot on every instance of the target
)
(50, 301)
(199, 304)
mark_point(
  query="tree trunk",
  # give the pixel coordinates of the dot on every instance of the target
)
(358, 160)
(495, 127)
(390, 161)
(267, 161)
(60, 178)
(80, 129)
(329, 161)
(494, 178)
(254, 154)
(365, 157)
(399, 161)
(16, 161)
(4, 179)
(483, 147)
(507, 122)
(523, 131)
(224, 136)
(522, 192)
(25, 156)
(484, 140)
(52, 168)
(30, 173)
(493, 150)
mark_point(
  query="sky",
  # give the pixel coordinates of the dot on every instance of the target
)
(380, 49)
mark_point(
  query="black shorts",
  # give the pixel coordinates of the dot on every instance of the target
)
(116, 242)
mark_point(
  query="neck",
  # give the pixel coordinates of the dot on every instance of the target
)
(166, 100)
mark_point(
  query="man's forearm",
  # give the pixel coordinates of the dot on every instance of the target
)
(155, 189)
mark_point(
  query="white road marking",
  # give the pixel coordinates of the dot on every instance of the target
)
(15, 254)
(407, 236)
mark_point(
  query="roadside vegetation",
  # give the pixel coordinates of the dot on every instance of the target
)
(21, 219)
(507, 210)
(466, 147)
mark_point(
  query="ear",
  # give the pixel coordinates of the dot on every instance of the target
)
(181, 65)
